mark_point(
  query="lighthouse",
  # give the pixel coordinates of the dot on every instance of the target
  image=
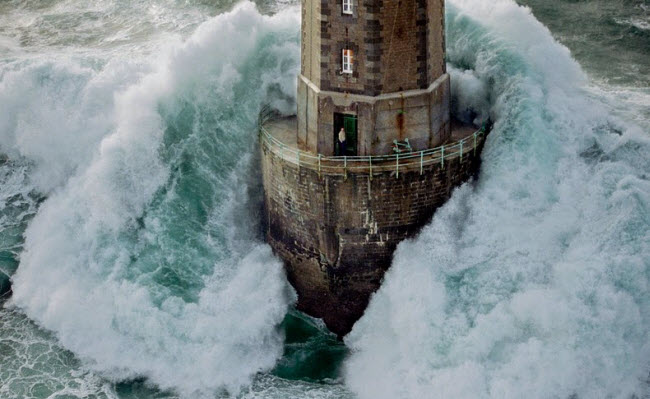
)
(370, 155)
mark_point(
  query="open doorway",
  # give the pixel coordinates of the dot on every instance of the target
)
(349, 124)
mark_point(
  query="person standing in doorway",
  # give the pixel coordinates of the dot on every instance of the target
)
(342, 144)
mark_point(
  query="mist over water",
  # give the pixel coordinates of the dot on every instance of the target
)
(130, 198)
(611, 40)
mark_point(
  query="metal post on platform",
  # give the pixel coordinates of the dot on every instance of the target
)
(370, 160)
(397, 166)
(421, 162)
(319, 156)
(298, 156)
(345, 167)
(461, 150)
(442, 156)
(474, 143)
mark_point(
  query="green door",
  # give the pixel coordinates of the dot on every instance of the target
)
(350, 126)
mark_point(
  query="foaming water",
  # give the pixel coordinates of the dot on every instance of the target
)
(534, 280)
(145, 264)
(39, 27)
(611, 40)
(33, 366)
(36, 367)
(58, 111)
(143, 260)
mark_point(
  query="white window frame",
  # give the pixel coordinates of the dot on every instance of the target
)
(348, 61)
(348, 7)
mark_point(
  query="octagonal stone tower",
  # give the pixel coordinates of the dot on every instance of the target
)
(396, 86)
(373, 72)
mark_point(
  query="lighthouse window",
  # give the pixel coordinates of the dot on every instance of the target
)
(347, 61)
(347, 6)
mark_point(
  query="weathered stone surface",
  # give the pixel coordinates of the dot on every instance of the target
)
(336, 229)
(337, 235)
(398, 45)
(422, 116)
(399, 87)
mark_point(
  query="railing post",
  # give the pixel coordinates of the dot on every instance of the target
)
(421, 162)
(475, 143)
(319, 156)
(370, 160)
(442, 156)
(461, 150)
(397, 166)
(345, 167)
(298, 156)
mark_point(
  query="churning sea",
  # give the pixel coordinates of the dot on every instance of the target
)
(131, 260)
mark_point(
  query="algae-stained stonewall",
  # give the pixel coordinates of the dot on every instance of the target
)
(370, 155)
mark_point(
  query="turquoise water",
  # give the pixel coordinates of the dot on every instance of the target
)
(130, 199)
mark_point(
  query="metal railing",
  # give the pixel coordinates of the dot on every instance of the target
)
(337, 165)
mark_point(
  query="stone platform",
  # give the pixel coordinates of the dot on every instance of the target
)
(336, 221)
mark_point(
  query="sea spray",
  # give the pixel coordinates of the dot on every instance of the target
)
(534, 280)
(56, 113)
(117, 44)
(133, 261)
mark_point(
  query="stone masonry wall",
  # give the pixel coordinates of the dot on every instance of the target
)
(337, 235)
(311, 40)
(399, 52)
(421, 116)
(398, 45)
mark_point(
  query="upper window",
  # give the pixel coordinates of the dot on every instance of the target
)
(347, 61)
(347, 6)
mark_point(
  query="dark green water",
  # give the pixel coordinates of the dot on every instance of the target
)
(311, 353)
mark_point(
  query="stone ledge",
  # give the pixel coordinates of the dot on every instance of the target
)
(380, 97)
(278, 137)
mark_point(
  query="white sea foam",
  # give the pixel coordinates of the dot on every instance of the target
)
(471, 97)
(81, 274)
(57, 112)
(271, 387)
(34, 367)
(533, 282)
(539, 287)
(73, 26)
(629, 103)
(637, 22)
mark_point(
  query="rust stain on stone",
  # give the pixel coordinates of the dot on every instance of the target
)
(400, 124)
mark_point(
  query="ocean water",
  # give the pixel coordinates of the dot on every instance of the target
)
(533, 281)
(130, 200)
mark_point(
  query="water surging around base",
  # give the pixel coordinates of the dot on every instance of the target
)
(143, 259)
(534, 281)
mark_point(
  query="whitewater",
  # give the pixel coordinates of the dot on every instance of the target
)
(130, 201)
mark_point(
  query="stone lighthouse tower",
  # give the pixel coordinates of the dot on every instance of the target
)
(371, 153)
(377, 65)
